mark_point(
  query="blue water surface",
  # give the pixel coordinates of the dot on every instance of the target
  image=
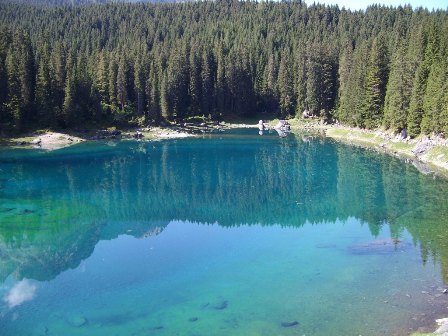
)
(233, 233)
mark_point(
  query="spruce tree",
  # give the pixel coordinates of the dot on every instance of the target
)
(344, 96)
(300, 83)
(122, 93)
(206, 79)
(195, 83)
(397, 95)
(415, 115)
(430, 104)
(286, 87)
(102, 74)
(44, 96)
(375, 86)
(69, 108)
(314, 86)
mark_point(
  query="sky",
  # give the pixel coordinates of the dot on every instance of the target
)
(362, 4)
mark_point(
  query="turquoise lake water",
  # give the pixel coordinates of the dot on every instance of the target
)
(227, 234)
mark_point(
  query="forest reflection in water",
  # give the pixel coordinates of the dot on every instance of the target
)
(55, 207)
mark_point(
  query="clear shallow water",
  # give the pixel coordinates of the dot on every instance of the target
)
(224, 235)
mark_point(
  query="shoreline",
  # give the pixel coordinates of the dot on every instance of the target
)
(428, 155)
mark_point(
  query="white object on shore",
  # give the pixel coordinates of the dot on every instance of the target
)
(443, 329)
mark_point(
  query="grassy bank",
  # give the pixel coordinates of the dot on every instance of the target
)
(431, 152)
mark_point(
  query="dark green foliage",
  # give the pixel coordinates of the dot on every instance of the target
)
(375, 85)
(398, 92)
(20, 79)
(286, 87)
(119, 62)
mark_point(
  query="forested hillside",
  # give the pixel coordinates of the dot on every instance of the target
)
(121, 63)
(75, 2)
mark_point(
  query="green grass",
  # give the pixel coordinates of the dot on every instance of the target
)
(437, 151)
(401, 147)
(338, 132)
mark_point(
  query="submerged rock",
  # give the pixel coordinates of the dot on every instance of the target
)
(193, 319)
(7, 209)
(77, 321)
(289, 324)
(380, 246)
(221, 306)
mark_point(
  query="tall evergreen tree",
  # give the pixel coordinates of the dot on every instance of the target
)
(300, 83)
(344, 95)
(44, 97)
(195, 83)
(397, 94)
(69, 108)
(207, 81)
(122, 93)
(375, 86)
(286, 87)
(102, 74)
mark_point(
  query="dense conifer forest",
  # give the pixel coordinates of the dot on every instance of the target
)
(134, 63)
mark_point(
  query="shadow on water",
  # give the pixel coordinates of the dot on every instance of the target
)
(56, 206)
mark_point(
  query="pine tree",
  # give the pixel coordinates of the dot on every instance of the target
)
(69, 107)
(220, 87)
(176, 91)
(44, 97)
(27, 77)
(329, 88)
(444, 114)
(286, 87)
(397, 94)
(195, 83)
(112, 85)
(153, 95)
(314, 86)
(375, 87)
(5, 41)
(431, 67)
(433, 102)
(139, 85)
(58, 75)
(415, 115)
(207, 84)
(165, 98)
(417, 83)
(122, 93)
(270, 87)
(344, 96)
(21, 80)
(14, 102)
(300, 84)
(102, 75)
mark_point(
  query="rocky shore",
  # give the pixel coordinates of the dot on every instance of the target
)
(48, 140)
(427, 154)
(45, 140)
(442, 329)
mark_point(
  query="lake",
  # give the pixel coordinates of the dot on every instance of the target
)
(225, 234)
